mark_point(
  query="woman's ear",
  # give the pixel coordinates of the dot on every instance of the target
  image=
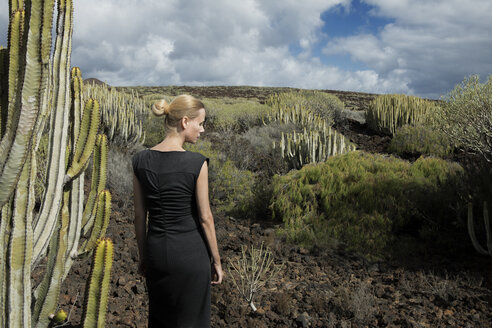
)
(184, 122)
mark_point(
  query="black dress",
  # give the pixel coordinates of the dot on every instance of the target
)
(176, 254)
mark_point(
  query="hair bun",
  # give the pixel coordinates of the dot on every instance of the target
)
(160, 107)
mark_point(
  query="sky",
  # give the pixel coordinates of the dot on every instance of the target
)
(414, 47)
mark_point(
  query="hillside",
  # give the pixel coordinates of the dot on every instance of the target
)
(317, 288)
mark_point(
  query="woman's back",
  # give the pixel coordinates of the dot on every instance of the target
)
(168, 180)
(176, 255)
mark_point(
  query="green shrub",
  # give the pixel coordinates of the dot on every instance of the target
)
(233, 115)
(466, 116)
(154, 130)
(364, 200)
(421, 140)
(231, 189)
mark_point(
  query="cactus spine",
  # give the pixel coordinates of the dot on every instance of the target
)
(97, 295)
(471, 230)
(37, 88)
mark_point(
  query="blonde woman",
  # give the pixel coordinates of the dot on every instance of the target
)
(178, 250)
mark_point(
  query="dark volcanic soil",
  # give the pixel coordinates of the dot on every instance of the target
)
(317, 288)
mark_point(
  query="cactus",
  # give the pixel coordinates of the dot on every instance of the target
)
(471, 230)
(121, 113)
(97, 294)
(36, 91)
(386, 113)
(316, 143)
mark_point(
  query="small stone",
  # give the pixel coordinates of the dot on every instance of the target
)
(448, 312)
(374, 268)
(121, 281)
(303, 320)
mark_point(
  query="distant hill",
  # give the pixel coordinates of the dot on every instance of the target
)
(92, 80)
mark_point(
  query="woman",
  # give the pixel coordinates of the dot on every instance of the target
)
(171, 186)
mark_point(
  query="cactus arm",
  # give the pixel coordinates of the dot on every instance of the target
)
(48, 291)
(6, 212)
(3, 91)
(471, 232)
(77, 190)
(97, 294)
(98, 182)
(103, 212)
(487, 227)
(10, 114)
(46, 220)
(86, 139)
(19, 257)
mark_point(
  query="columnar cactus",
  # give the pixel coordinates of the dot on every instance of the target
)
(313, 146)
(316, 143)
(386, 113)
(37, 90)
(471, 230)
(96, 299)
(121, 113)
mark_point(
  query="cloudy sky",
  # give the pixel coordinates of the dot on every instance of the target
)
(419, 47)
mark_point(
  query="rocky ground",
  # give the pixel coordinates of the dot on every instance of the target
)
(315, 288)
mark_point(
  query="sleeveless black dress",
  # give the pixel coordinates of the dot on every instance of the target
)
(176, 254)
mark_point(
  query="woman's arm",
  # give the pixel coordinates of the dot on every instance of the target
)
(140, 222)
(207, 221)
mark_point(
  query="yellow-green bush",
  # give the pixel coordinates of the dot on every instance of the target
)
(154, 130)
(327, 106)
(421, 140)
(231, 189)
(228, 115)
(386, 113)
(364, 200)
(466, 116)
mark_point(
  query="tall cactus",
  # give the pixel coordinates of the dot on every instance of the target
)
(471, 230)
(96, 299)
(316, 143)
(386, 113)
(121, 113)
(38, 88)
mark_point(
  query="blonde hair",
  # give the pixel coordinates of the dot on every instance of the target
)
(183, 105)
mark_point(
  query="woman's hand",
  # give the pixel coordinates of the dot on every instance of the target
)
(217, 274)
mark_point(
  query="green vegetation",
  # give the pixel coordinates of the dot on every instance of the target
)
(386, 113)
(420, 139)
(466, 116)
(326, 106)
(122, 113)
(231, 189)
(364, 200)
(312, 114)
(228, 115)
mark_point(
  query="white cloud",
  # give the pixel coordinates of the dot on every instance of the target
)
(430, 46)
(220, 43)
(435, 44)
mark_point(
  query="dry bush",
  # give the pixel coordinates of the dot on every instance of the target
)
(252, 271)
(283, 303)
(444, 288)
(362, 303)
